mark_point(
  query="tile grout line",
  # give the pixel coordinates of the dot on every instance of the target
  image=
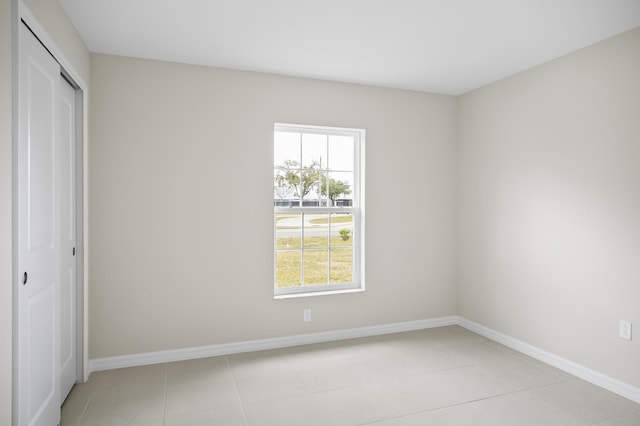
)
(299, 377)
(430, 410)
(525, 358)
(628, 416)
(235, 386)
(164, 395)
(84, 410)
(381, 380)
(563, 409)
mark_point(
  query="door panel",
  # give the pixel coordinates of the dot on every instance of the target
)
(38, 352)
(40, 159)
(41, 317)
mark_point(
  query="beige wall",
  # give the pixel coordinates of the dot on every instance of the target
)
(181, 205)
(5, 212)
(550, 206)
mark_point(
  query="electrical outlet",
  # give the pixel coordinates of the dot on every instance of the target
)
(625, 329)
(307, 315)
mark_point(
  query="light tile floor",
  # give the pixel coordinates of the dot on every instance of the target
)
(441, 376)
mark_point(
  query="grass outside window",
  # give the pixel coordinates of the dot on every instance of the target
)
(314, 253)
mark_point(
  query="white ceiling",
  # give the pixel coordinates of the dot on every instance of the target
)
(440, 46)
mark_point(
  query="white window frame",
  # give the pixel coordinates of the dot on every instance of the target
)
(356, 210)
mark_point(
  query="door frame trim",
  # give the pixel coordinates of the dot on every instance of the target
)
(21, 13)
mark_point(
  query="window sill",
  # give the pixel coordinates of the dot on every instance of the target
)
(317, 293)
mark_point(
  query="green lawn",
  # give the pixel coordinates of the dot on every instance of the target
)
(288, 262)
(334, 219)
(312, 242)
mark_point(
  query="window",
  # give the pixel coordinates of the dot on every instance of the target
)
(318, 209)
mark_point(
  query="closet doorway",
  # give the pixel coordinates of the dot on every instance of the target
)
(48, 359)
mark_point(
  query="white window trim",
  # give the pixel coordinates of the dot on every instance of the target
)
(357, 211)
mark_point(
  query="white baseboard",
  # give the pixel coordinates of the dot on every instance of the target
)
(134, 360)
(599, 379)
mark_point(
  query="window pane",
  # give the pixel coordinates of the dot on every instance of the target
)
(341, 230)
(312, 182)
(340, 188)
(316, 230)
(286, 147)
(283, 194)
(314, 151)
(287, 172)
(341, 265)
(341, 151)
(316, 267)
(286, 184)
(288, 268)
(288, 231)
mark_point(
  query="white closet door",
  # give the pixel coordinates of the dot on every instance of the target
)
(38, 361)
(67, 238)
